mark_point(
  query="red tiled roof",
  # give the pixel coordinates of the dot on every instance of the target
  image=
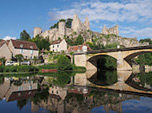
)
(56, 42)
(26, 44)
(76, 48)
(21, 95)
(2, 42)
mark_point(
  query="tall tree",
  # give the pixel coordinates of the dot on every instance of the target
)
(79, 40)
(42, 43)
(24, 36)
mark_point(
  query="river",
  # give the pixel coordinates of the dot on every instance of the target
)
(65, 92)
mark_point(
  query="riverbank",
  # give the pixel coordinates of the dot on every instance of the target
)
(35, 69)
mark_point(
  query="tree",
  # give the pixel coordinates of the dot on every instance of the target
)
(42, 43)
(19, 57)
(79, 40)
(64, 63)
(68, 23)
(24, 36)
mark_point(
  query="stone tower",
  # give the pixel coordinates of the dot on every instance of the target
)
(112, 30)
(76, 23)
(62, 29)
(104, 30)
(37, 30)
(87, 23)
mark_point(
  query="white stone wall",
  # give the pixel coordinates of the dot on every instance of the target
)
(62, 30)
(5, 52)
(37, 30)
(26, 52)
(62, 46)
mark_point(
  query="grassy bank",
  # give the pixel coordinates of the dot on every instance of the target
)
(18, 69)
(55, 66)
(34, 69)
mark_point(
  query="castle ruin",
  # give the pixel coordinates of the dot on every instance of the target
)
(112, 30)
(62, 30)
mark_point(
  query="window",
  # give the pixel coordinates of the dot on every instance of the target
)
(31, 52)
(20, 88)
(57, 45)
(30, 87)
(53, 46)
(21, 51)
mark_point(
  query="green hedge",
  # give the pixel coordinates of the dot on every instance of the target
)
(18, 69)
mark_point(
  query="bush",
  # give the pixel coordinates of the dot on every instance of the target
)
(64, 63)
(18, 69)
(2, 68)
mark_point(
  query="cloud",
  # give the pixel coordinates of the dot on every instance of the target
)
(8, 38)
(132, 11)
(132, 32)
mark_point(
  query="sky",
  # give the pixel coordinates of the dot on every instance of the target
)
(134, 17)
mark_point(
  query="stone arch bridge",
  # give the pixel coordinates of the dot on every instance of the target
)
(122, 55)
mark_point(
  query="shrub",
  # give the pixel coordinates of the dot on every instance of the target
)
(64, 63)
(2, 68)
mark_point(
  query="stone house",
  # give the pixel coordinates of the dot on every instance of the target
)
(58, 45)
(4, 50)
(14, 47)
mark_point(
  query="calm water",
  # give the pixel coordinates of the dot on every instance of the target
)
(90, 92)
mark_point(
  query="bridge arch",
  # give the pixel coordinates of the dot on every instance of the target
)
(133, 55)
(94, 60)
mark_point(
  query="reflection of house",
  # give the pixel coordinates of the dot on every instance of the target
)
(58, 46)
(12, 91)
(79, 48)
(13, 47)
(58, 91)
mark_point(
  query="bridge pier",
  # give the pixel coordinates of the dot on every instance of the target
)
(81, 60)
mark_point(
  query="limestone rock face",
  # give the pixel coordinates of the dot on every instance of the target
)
(76, 23)
(87, 23)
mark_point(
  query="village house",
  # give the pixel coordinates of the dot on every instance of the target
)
(79, 48)
(4, 50)
(11, 48)
(58, 46)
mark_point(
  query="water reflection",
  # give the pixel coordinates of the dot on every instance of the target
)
(104, 78)
(65, 92)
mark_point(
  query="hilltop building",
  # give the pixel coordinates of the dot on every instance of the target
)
(112, 30)
(62, 30)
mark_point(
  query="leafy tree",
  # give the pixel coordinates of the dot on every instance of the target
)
(24, 36)
(19, 57)
(42, 43)
(64, 63)
(145, 59)
(146, 40)
(79, 40)
(3, 60)
(68, 23)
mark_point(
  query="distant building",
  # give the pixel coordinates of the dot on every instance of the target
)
(14, 47)
(79, 48)
(58, 46)
(54, 33)
(112, 30)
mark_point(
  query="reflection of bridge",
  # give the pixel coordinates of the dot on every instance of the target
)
(122, 55)
(84, 79)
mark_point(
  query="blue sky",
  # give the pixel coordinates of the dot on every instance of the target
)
(134, 17)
